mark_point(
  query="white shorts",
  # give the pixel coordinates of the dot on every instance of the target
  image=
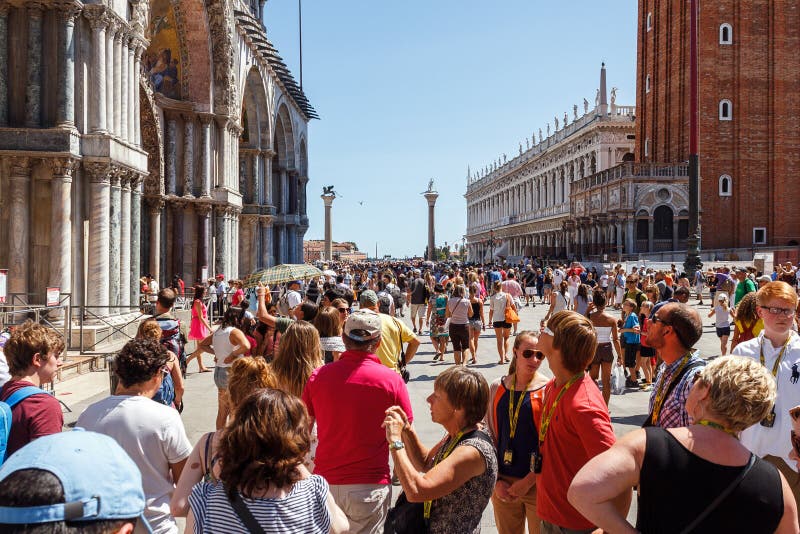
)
(620, 295)
(418, 310)
(530, 291)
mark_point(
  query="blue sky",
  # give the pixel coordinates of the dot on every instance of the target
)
(414, 90)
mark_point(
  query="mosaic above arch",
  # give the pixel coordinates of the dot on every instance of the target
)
(162, 62)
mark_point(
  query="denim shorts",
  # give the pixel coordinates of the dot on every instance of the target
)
(221, 377)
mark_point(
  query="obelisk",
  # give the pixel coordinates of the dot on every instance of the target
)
(327, 198)
(431, 195)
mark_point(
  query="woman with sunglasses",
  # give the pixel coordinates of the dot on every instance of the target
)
(695, 465)
(512, 419)
(777, 348)
(575, 423)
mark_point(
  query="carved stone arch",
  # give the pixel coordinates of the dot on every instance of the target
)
(221, 33)
(284, 137)
(152, 142)
(302, 157)
(254, 103)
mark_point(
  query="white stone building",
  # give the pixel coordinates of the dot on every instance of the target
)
(521, 207)
(161, 136)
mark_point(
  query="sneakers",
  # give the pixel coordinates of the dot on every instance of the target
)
(631, 383)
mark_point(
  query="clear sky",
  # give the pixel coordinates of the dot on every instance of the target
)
(420, 89)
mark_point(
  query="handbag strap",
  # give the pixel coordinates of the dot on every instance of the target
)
(721, 497)
(245, 514)
(401, 362)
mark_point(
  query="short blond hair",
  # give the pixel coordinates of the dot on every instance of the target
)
(741, 391)
(575, 336)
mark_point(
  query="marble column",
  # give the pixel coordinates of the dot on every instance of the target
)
(33, 104)
(19, 225)
(60, 224)
(125, 243)
(97, 104)
(650, 228)
(65, 111)
(235, 243)
(115, 237)
(255, 178)
(154, 209)
(119, 72)
(203, 211)
(205, 158)
(266, 242)
(137, 113)
(4, 9)
(619, 243)
(188, 155)
(630, 238)
(136, 238)
(114, 27)
(100, 232)
(328, 199)
(431, 197)
(170, 158)
(674, 233)
(177, 238)
(131, 96)
(123, 89)
(220, 243)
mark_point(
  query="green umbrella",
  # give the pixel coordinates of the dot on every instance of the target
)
(282, 273)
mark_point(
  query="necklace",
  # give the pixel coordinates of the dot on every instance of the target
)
(712, 424)
(776, 365)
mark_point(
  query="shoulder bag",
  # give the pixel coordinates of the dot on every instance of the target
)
(401, 361)
(245, 515)
(511, 312)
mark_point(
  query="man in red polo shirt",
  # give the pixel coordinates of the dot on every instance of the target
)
(348, 399)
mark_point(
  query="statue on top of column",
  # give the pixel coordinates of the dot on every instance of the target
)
(430, 186)
(328, 190)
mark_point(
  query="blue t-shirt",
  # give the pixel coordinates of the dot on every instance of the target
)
(630, 337)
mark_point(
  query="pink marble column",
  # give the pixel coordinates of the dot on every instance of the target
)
(19, 225)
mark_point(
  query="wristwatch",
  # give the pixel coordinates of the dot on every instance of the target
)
(396, 445)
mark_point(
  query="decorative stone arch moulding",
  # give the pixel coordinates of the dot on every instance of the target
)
(221, 31)
(151, 136)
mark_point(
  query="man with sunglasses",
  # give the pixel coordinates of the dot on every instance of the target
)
(673, 331)
(777, 347)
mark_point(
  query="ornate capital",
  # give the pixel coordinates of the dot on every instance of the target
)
(205, 118)
(154, 205)
(266, 220)
(115, 175)
(96, 15)
(62, 167)
(221, 211)
(5, 7)
(98, 171)
(67, 11)
(35, 9)
(21, 167)
(135, 179)
(202, 208)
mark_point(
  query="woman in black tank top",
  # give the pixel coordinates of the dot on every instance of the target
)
(700, 478)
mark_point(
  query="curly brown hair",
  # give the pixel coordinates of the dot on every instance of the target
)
(139, 361)
(263, 445)
(26, 341)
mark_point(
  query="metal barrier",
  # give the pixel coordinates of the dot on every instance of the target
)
(55, 317)
(102, 316)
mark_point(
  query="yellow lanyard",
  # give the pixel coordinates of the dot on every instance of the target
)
(712, 424)
(777, 363)
(549, 414)
(513, 413)
(664, 387)
(444, 455)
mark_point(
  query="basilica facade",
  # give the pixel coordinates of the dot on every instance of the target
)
(163, 137)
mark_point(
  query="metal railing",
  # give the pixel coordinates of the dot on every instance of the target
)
(20, 310)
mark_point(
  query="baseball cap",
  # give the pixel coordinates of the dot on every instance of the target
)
(417, 271)
(765, 278)
(363, 325)
(220, 276)
(100, 480)
(368, 298)
(298, 282)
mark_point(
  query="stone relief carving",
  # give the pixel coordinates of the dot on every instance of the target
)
(151, 138)
(222, 29)
(613, 198)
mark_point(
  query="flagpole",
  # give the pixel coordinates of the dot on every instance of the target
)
(300, 24)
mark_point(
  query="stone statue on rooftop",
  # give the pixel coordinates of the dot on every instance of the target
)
(548, 129)
(555, 121)
(575, 111)
(540, 135)
(613, 95)
(597, 98)
(565, 119)
(585, 106)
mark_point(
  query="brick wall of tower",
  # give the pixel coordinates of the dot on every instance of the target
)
(760, 74)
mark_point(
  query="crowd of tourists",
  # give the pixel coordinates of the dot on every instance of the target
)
(315, 423)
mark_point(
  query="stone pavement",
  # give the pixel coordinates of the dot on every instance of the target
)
(628, 410)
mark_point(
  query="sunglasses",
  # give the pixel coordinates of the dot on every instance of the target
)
(165, 370)
(657, 319)
(343, 310)
(527, 353)
(774, 310)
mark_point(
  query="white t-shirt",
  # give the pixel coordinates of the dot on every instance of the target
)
(775, 440)
(153, 288)
(293, 298)
(154, 437)
(558, 277)
(5, 376)
(604, 280)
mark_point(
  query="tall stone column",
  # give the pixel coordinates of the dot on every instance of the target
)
(650, 228)
(220, 241)
(100, 232)
(154, 208)
(203, 211)
(136, 238)
(431, 197)
(205, 155)
(120, 78)
(19, 225)
(115, 238)
(630, 236)
(131, 96)
(675, 233)
(137, 113)
(177, 238)
(125, 243)
(65, 110)
(114, 27)
(171, 158)
(33, 104)
(97, 104)
(188, 156)
(619, 243)
(4, 9)
(328, 198)
(60, 224)
(235, 242)
(266, 243)
(255, 178)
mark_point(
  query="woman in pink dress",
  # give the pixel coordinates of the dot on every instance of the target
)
(199, 328)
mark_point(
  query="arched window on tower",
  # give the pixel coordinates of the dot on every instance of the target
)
(725, 110)
(647, 84)
(649, 21)
(725, 186)
(725, 34)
